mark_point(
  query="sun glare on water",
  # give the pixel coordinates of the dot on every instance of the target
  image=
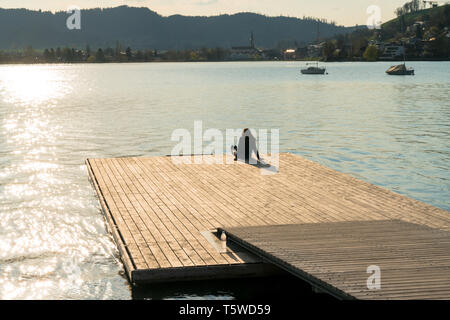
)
(32, 85)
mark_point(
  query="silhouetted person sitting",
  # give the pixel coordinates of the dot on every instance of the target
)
(246, 147)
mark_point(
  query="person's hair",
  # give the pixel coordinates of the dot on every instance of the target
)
(245, 130)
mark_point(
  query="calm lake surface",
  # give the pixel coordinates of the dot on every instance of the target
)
(390, 131)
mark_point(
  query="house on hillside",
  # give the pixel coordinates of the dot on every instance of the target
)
(392, 52)
(315, 50)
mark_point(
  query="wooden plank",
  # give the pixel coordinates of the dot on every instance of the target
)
(414, 260)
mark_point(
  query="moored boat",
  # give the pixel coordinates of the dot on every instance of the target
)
(314, 70)
(400, 70)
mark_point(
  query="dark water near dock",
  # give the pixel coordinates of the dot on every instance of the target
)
(390, 131)
(272, 288)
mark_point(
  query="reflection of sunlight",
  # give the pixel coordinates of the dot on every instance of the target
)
(22, 290)
(21, 190)
(30, 187)
(32, 84)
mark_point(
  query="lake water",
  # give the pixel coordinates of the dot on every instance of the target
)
(390, 131)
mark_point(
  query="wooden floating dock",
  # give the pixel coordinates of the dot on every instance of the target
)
(413, 260)
(163, 215)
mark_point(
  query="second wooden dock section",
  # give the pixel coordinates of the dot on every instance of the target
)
(370, 260)
(163, 215)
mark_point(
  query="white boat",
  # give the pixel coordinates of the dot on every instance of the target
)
(313, 69)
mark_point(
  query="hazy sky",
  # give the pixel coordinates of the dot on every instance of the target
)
(346, 12)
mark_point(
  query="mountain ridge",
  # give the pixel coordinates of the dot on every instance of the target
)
(142, 28)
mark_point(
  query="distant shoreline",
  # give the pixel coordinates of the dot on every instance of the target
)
(219, 61)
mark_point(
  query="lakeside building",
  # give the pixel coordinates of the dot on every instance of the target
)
(295, 53)
(290, 54)
(315, 50)
(245, 52)
(392, 52)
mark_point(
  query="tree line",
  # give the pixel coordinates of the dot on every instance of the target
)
(105, 55)
(410, 7)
